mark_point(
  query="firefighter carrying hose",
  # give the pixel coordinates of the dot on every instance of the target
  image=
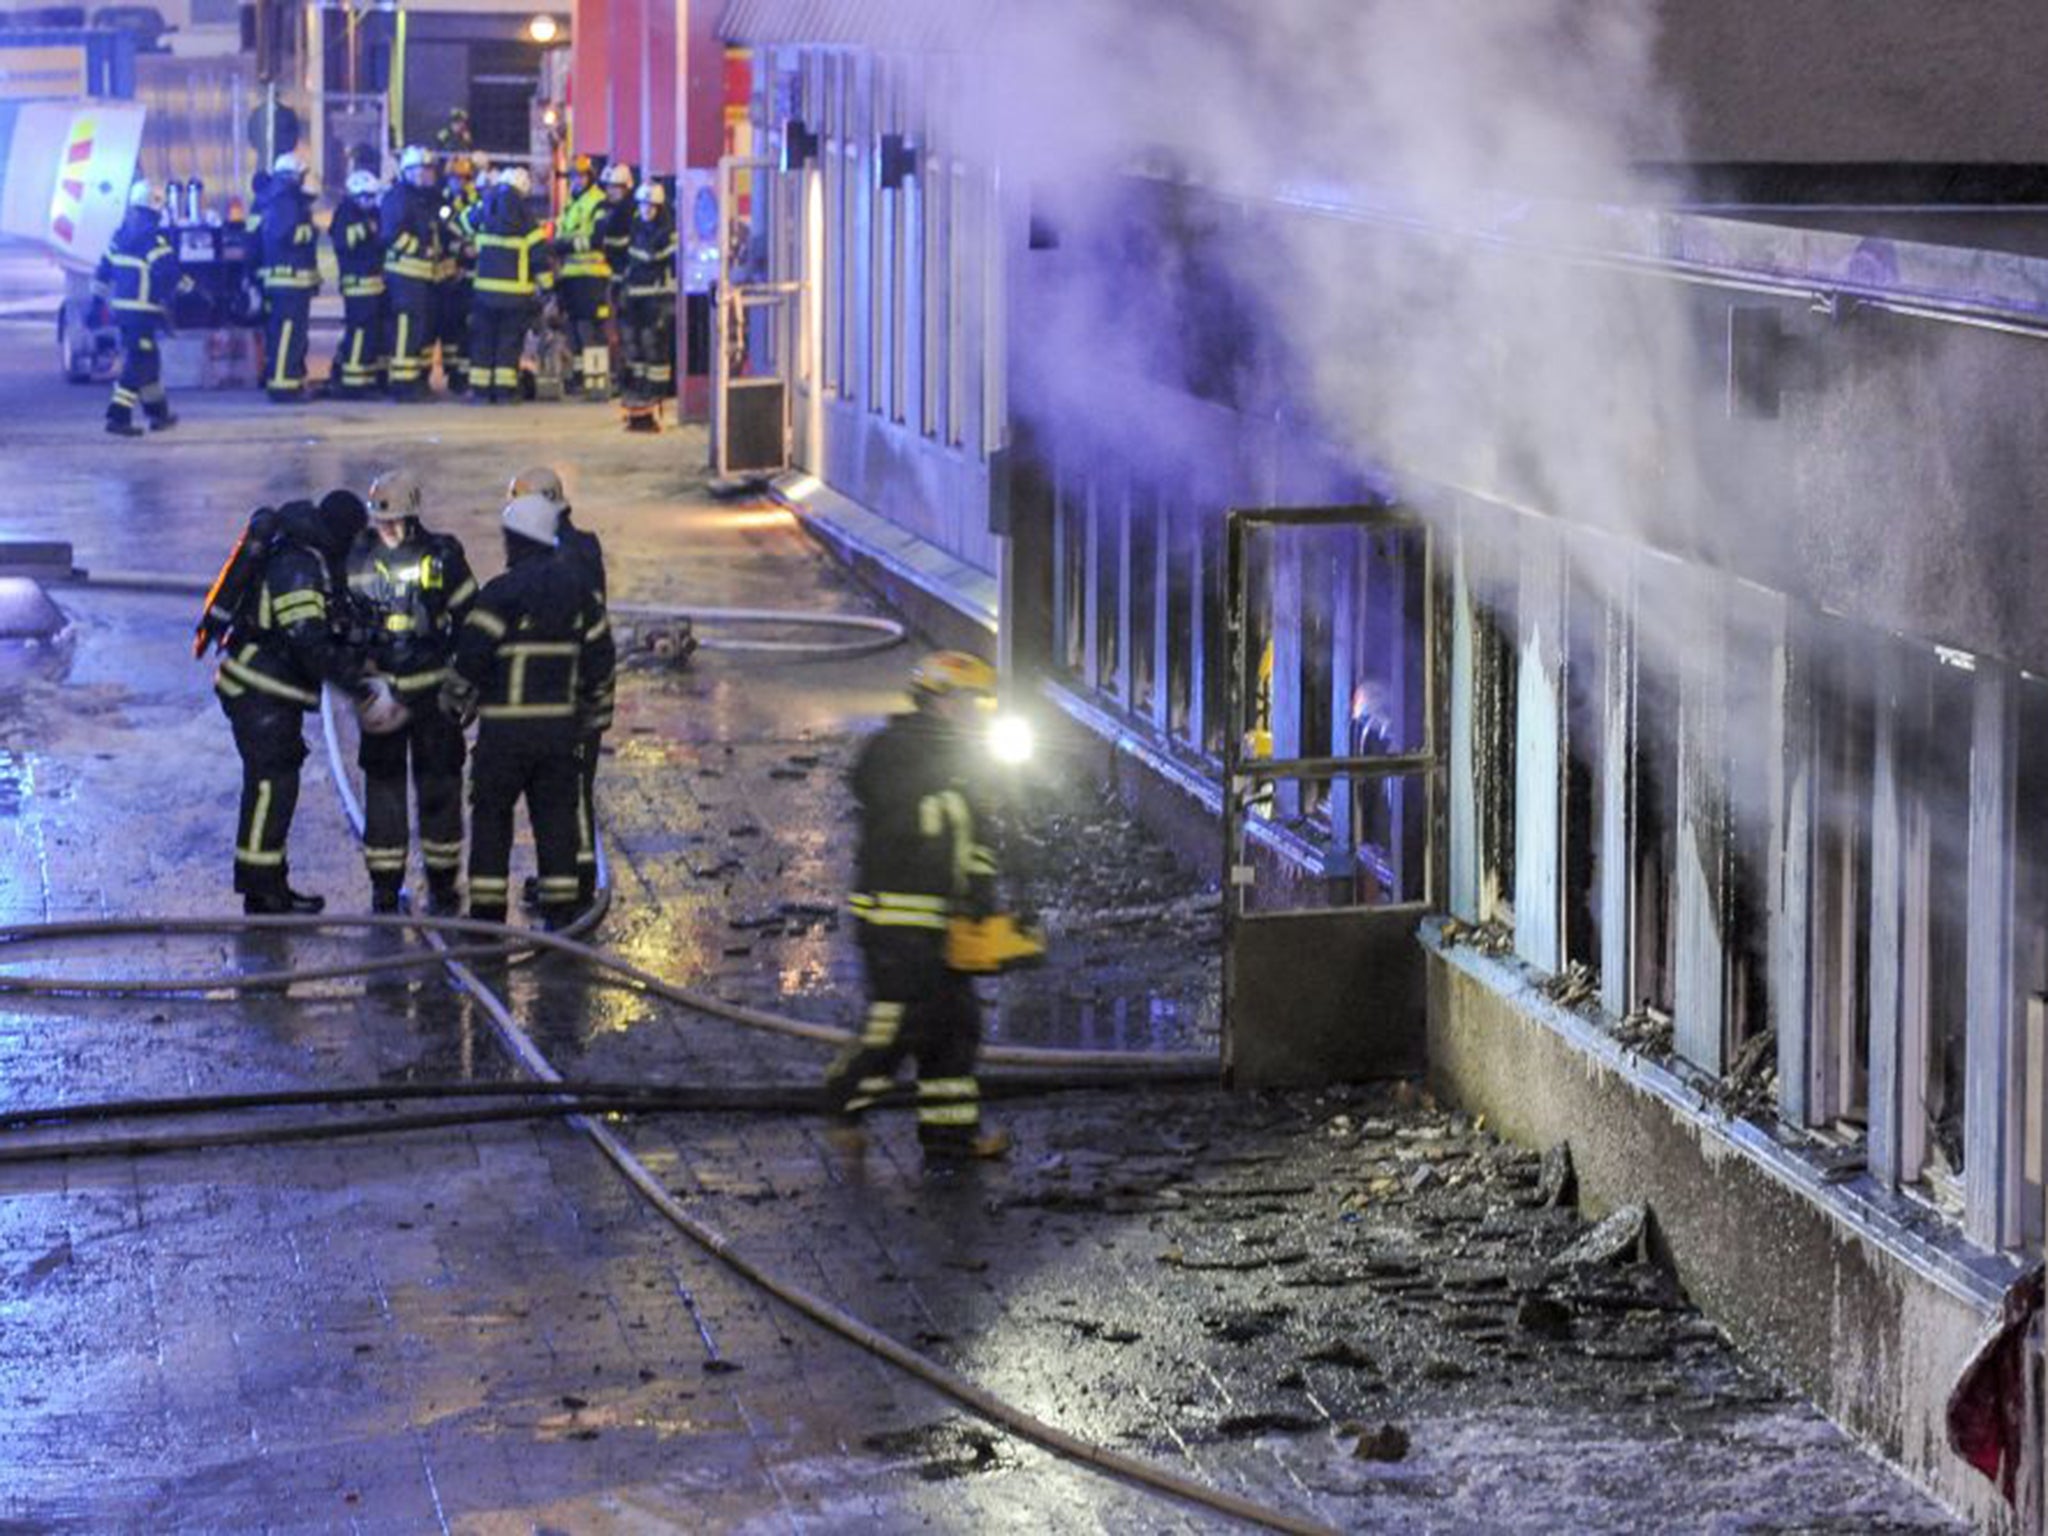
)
(288, 267)
(922, 867)
(514, 263)
(650, 320)
(359, 254)
(586, 280)
(137, 279)
(410, 222)
(532, 659)
(278, 612)
(411, 588)
(582, 548)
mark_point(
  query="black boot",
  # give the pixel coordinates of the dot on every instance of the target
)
(444, 898)
(280, 903)
(384, 896)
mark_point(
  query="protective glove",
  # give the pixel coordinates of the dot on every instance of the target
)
(458, 699)
(380, 709)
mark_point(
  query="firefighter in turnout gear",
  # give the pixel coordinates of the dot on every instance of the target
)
(514, 264)
(359, 253)
(288, 636)
(454, 285)
(286, 244)
(410, 222)
(581, 547)
(650, 319)
(586, 280)
(411, 588)
(137, 278)
(533, 657)
(921, 863)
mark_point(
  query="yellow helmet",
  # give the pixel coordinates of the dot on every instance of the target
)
(948, 672)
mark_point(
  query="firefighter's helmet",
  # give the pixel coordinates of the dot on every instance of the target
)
(584, 169)
(519, 179)
(362, 183)
(651, 194)
(537, 481)
(619, 174)
(142, 194)
(395, 494)
(533, 517)
(291, 163)
(415, 158)
(945, 673)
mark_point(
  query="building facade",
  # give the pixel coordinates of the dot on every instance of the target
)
(1699, 770)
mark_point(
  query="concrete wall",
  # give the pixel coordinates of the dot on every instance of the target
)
(1869, 1336)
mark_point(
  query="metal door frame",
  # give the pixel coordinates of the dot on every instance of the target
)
(1349, 936)
(779, 293)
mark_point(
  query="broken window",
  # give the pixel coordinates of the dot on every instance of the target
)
(1838, 1089)
(1653, 840)
(1587, 645)
(1142, 589)
(1070, 573)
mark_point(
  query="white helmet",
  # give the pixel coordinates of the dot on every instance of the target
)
(414, 157)
(143, 194)
(539, 481)
(290, 163)
(619, 174)
(362, 183)
(535, 518)
(519, 179)
(651, 192)
(395, 494)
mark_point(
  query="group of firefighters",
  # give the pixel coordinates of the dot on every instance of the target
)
(451, 268)
(360, 596)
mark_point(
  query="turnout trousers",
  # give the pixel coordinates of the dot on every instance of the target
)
(412, 332)
(587, 304)
(359, 365)
(452, 305)
(918, 1006)
(270, 736)
(433, 745)
(586, 819)
(287, 312)
(515, 760)
(497, 337)
(142, 369)
(651, 347)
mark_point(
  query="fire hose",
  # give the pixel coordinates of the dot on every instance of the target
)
(561, 1098)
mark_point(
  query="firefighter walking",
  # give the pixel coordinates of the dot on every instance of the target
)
(533, 656)
(411, 588)
(514, 264)
(921, 866)
(278, 610)
(138, 278)
(359, 367)
(650, 309)
(582, 548)
(288, 267)
(586, 281)
(410, 223)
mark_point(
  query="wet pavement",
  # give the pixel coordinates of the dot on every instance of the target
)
(1353, 1306)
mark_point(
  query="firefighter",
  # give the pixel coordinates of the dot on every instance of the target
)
(410, 223)
(359, 366)
(289, 636)
(582, 547)
(533, 656)
(454, 282)
(921, 863)
(411, 588)
(586, 280)
(137, 279)
(514, 264)
(288, 266)
(650, 308)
